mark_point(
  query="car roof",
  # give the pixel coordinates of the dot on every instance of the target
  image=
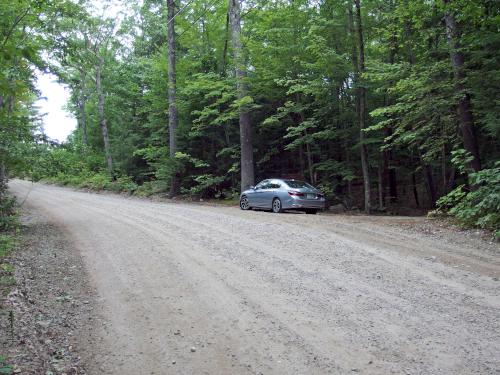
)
(278, 179)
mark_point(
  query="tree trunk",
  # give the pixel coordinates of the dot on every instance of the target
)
(451, 181)
(308, 146)
(224, 51)
(389, 178)
(102, 118)
(310, 162)
(302, 163)
(464, 107)
(414, 187)
(247, 172)
(431, 186)
(381, 202)
(443, 168)
(361, 92)
(3, 178)
(83, 115)
(172, 91)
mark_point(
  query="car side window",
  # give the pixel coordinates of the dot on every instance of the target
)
(267, 185)
(274, 185)
(261, 185)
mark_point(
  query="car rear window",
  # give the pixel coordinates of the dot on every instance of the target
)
(297, 184)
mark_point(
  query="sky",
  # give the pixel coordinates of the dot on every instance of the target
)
(57, 123)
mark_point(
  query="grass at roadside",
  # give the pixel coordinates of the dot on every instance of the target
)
(5, 368)
(224, 202)
(9, 229)
(157, 189)
(95, 182)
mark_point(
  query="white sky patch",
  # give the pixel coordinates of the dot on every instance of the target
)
(57, 123)
(114, 9)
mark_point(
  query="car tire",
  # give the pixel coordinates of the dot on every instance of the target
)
(311, 211)
(277, 206)
(244, 204)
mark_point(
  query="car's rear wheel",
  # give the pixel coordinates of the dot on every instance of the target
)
(277, 207)
(311, 211)
(244, 204)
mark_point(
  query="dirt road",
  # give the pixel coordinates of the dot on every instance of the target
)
(187, 289)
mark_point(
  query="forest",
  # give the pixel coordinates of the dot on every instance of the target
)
(386, 105)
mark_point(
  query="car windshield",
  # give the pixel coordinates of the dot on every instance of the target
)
(298, 184)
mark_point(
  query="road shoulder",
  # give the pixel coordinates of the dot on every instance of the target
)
(48, 320)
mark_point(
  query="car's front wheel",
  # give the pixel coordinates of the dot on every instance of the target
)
(244, 204)
(277, 207)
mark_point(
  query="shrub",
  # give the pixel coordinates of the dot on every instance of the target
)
(123, 183)
(479, 207)
(151, 187)
(206, 184)
(8, 218)
(6, 244)
(96, 181)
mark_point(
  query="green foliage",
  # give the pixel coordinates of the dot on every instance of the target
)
(422, 116)
(8, 230)
(95, 181)
(6, 244)
(5, 368)
(479, 207)
(8, 214)
(302, 78)
(204, 183)
(149, 188)
(461, 158)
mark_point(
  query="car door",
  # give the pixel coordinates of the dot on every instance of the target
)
(257, 195)
(268, 193)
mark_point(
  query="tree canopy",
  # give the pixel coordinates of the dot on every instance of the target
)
(383, 104)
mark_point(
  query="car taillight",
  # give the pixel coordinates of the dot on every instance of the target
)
(295, 194)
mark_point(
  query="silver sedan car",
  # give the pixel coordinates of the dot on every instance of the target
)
(279, 195)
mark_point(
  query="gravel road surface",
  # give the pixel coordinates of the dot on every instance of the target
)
(191, 289)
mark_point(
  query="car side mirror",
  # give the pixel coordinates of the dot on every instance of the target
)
(251, 187)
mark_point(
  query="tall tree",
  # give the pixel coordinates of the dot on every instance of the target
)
(246, 144)
(362, 113)
(82, 102)
(172, 92)
(464, 107)
(102, 116)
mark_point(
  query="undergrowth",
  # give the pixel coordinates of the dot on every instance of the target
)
(9, 229)
(96, 182)
(478, 207)
(125, 184)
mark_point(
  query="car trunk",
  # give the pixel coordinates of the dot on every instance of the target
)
(308, 193)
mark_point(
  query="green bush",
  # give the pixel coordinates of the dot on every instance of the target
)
(124, 184)
(149, 188)
(98, 181)
(6, 244)
(8, 218)
(8, 226)
(205, 184)
(5, 368)
(479, 207)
